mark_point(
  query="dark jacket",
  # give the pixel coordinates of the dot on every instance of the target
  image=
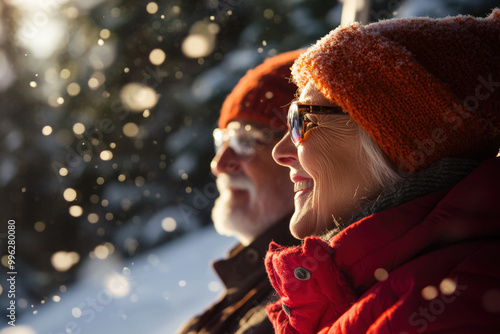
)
(247, 289)
(430, 265)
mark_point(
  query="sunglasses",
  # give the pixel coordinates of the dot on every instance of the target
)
(297, 120)
(243, 140)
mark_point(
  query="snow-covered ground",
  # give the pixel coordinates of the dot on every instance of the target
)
(153, 293)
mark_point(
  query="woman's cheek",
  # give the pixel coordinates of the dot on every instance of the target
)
(314, 153)
(316, 157)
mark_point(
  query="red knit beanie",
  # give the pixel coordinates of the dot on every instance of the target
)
(423, 88)
(263, 94)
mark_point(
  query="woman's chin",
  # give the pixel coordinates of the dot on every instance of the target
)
(302, 194)
(299, 227)
(302, 222)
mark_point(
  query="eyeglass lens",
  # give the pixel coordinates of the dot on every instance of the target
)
(240, 141)
(295, 123)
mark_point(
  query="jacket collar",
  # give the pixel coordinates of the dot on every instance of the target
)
(245, 265)
(390, 238)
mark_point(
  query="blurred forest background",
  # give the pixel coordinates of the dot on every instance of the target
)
(107, 113)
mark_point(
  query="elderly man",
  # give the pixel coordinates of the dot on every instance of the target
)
(256, 197)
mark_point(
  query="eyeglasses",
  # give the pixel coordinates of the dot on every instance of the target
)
(243, 139)
(297, 120)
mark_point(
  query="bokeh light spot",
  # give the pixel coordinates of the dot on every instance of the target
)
(168, 224)
(139, 181)
(39, 226)
(5, 260)
(19, 329)
(196, 46)
(137, 97)
(430, 292)
(268, 13)
(101, 252)
(118, 285)
(157, 57)
(75, 211)
(76, 312)
(62, 260)
(73, 89)
(130, 130)
(106, 155)
(115, 12)
(105, 33)
(47, 130)
(381, 274)
(69, 194)
(72, 13)
(93, 83)
(78, 128)
(93, 218)
(447, 286)
(63, 171)
(152, 8)
(65, 73)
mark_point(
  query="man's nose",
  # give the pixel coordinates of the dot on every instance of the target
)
(225, 161)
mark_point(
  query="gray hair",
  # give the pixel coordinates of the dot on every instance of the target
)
(378, 163)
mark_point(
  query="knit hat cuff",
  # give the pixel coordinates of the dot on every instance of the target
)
(263, 94)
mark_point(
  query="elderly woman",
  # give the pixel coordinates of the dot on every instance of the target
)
(391, 147)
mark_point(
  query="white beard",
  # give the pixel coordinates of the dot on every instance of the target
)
(231, 218)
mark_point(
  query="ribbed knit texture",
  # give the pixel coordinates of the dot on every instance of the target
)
(423, 88)
(263, 94)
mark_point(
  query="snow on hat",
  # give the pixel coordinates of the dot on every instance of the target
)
(423, 88)
(263, 94)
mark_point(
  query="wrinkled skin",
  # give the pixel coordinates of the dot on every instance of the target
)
(329, 159)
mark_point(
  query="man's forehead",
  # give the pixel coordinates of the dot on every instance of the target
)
(242, 123)
(262, 131)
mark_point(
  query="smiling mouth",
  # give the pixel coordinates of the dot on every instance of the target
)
(302, 185)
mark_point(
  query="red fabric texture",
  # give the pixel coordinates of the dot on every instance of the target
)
(423, 88)
(332, 299)
(431, 265)
(263, 94)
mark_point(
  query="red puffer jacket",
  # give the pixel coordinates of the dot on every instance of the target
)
(431, 265)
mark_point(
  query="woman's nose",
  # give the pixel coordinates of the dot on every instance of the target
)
(285, 152)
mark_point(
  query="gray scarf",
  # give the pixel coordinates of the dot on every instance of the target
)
(442, 174)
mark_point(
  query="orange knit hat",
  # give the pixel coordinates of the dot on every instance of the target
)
(263, 94)
(423, 88)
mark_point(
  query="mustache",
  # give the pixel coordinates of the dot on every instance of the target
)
(225, 181)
